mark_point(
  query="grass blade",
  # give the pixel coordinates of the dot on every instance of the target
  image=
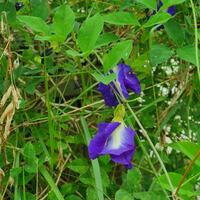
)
(95, 163)
(51, 182)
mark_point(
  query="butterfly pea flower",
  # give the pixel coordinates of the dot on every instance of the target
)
(115, 139)
(126, 80)
(171, 10)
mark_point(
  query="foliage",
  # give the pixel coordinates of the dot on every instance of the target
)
(52, 56)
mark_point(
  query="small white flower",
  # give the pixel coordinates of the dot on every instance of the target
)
(164, 91)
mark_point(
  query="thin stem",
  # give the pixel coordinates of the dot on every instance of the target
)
(152, 146)
(196, 38)
(187, 172)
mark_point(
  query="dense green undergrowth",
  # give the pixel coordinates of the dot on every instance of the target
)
(53, 54)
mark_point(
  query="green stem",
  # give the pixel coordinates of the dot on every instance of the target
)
(48, 105)
(152, 146)
(187, 172)
(196, 38)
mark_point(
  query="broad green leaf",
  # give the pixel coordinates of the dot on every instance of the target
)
(199, 34)
(123, 195)
(120, 51)
(187, 53)
(104, 79)
(39, 8)
(175, 31)
(121, 18)
(168, 3)
(158, 18)
(35, 23)
(89, 33)
(78, 165)
(63, 23)
(159, 54)
(186, 189)
(152, 4)
(188, 148)
(105, 39)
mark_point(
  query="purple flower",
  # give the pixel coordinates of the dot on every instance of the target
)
(114, 139)
(126, 79)
(171, 10)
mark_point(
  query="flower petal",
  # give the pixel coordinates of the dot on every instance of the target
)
(120, 80)
(130, 79)
(124, 159)
(172, 10)
(99, 140)
(108, 94)
(121, 140)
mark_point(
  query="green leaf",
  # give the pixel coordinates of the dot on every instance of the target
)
(104, 79)
(89, 33)
(91, 194)
(158, 18)
(149, 195)
(68, 188)
(73, 53)
(73, 197)
(120, 51)
(78, 165)
(149, 4)
(39, 8)
(186, 189)
(105, 39)
(123, 195)
(30, 158)
(14, 172)
(168, 3)
(30, 196)
(121, 18)
(187, 53)
(175, 31)
(188, 148)
(132, 182)
(63, 23)
(141, 64)
(35, 23)
(159, 54)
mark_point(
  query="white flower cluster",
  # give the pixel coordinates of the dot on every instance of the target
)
(164, 90)
(172, 69)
